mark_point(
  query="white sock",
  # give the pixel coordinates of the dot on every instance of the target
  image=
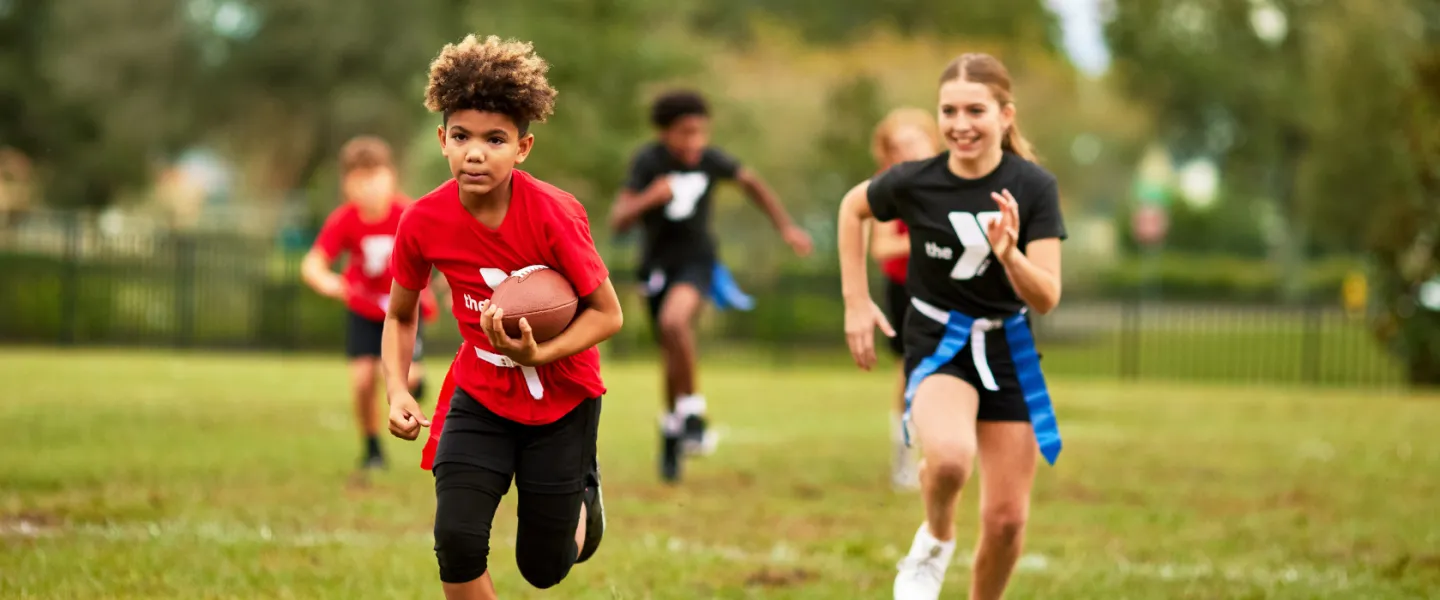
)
(688, 405)
(672, 424)
(924, 541)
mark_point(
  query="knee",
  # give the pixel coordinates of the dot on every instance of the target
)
(673, 326)
(950, 467)
(545, 568)
(463, 553)
(1005, 521)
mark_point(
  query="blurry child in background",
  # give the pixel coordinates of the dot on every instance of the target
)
(668, 194)
(906, 134)
(363, 228)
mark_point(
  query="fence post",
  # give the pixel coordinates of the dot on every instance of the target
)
(1312, 341)
(291, 302)
(1130, 337)
(784, 347)
(70, 279)
(183, 246)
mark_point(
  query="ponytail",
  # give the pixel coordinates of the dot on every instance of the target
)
(1015, 142)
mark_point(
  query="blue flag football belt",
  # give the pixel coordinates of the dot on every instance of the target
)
(726, 293)
(961, 329)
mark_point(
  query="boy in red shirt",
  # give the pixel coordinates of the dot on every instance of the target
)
(519, 409)
(364, 228)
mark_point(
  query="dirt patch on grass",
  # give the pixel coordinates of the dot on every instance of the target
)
(1425, 565)
(772, 578)
(28, 524)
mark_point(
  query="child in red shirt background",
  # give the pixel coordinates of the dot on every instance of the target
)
(363, 230)
(905, 134)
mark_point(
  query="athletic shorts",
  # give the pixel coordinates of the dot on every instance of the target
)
(658, 282)
(549, 459)
(362, 337)
(922, 335)
(478, 455)
(897, 303)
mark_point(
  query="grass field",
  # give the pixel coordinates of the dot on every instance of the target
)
(162, 475)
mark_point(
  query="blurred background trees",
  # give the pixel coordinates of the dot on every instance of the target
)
(1286, 143)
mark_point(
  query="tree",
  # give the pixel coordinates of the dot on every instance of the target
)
(93, 92)
(1374, 177)
(601, 76)
(286, 82)
(1330, 109)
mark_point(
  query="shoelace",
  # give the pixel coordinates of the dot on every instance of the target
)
(931, 567)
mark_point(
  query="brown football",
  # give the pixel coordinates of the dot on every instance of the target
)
(540, 295)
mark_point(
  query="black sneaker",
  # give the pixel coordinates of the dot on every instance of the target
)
(670, 450)
(594, 514)
(698, 440)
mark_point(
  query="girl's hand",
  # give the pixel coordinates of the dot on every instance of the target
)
(1004, 233)
(861, 319)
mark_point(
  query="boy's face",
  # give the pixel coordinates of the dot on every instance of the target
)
(482, 148)
(687, 138)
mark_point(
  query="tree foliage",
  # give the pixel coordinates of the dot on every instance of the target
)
(1335, 119)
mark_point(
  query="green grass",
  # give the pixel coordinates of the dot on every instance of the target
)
(159, 475)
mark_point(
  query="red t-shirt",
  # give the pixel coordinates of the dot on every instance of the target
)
(543, 226)
(369, 243)
(894, 268)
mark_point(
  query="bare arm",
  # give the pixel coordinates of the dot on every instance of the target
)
(599, 319)
(397, 342)
(629, 205)
(854, 213)
(761, 195)
(862, 316)
(886, 241)
(1035, 274)
(764, 197)
(315, 272)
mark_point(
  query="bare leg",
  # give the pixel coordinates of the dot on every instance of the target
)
(417, 373)
(1007, 472)
(580, 531)
(944, 416)
(480, 588)
(677, 341)
(902, 470)
(362, 388)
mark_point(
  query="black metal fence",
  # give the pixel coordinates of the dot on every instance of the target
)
(65, 280)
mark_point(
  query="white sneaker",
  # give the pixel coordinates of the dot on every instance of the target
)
(922, 571)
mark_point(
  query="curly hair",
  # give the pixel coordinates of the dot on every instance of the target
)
(670, 106)
(500, 76)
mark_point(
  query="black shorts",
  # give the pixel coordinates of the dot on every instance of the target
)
(658, 281)
(552, 458)
(479, 453)
(362, 337)
(922, 335)
(897, 303)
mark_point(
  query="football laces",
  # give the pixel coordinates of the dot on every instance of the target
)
(527, 270)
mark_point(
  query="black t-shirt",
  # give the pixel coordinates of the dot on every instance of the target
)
(678, 232)
(951, 265)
